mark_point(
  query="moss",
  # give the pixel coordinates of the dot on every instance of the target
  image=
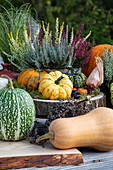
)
(37, 95)
(34, 93)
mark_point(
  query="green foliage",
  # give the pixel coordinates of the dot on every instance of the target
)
(96, 15)
(108, 67)
(111, 93)
(94, 92)
(11, 20)
(34, 93)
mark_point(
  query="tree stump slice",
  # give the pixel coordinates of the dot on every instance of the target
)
(43, 107)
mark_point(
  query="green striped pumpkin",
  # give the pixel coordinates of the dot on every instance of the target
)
(17, 113)
(79, 80)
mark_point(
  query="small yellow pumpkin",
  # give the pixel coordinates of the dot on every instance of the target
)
(55, 85)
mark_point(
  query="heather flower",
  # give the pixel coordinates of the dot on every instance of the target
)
(56, 34)
(44, 50)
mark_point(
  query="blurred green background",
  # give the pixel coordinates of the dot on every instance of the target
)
(97, 16)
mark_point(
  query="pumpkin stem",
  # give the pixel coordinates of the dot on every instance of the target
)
(49, 135)
(10, 81)
(57, 81)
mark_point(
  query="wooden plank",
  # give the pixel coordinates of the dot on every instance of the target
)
(22, 154)
(92, 160)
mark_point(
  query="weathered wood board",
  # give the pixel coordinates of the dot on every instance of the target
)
(22, 154)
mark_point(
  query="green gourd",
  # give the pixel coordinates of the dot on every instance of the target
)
(79, 80)
(17, 113)
(111, 91)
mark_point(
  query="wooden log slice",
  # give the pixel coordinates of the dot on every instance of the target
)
(43, 107)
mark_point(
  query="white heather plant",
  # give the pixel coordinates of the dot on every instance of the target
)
(42, 50)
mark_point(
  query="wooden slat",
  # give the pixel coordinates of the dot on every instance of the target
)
(93, 160)
(22, 154)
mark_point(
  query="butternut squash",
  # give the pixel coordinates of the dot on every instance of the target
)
(94, 129)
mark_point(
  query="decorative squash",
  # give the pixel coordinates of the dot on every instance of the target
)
(111, 93)
(17, 113)
(79, 80)
(97, 51)
(30, 78)
(83, 91)
(94, 129)
(56, 85)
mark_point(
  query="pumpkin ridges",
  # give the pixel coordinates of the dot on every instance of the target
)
(41, 87)
(29, 75)
(28, 69)
(24, 76)
(51, 93)
(31, 84)
(62, 83)
(54, 94)
(67, 90)
(51, 79)
(62, 93)
(46, 87)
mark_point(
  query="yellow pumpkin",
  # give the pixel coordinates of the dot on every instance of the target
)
(55, 85)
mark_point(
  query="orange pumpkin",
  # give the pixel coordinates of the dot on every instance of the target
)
(97, 51)
(83, 91)
(31, 78)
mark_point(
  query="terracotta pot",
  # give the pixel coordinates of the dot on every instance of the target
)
(6, 70)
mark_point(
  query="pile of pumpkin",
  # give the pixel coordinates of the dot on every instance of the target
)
(17, 113)
(53, 85)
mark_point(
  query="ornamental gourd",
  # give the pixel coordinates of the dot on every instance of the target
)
(79, 80)
(83, 91)
(94, 129)
(97, 51)
(55, 85)
(30, 78)
(17, 113)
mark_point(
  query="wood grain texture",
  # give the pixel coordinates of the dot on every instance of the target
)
(93, 160)
(23, 155)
